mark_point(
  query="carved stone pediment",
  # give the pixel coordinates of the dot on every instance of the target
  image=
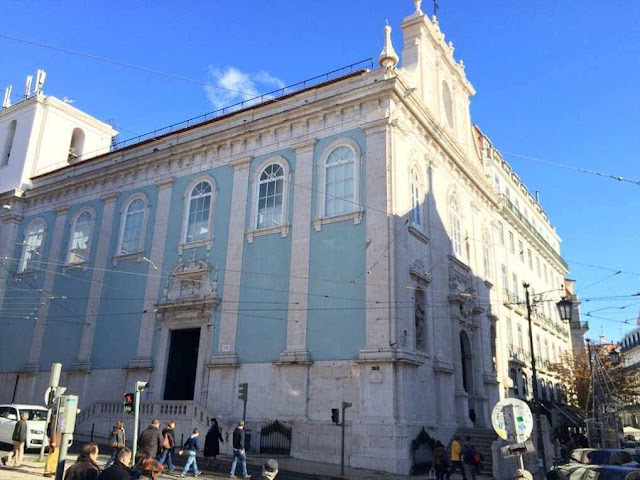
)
(419, 273)
(192, 283)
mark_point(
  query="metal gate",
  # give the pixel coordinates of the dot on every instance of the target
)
(275, 438)
(422, 453)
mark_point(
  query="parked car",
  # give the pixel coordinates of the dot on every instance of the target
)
(631, 446)
(602, 456)
(575, 471)
(579, 455)
(36, 424)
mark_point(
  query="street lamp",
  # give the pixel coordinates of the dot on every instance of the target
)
(565, 309)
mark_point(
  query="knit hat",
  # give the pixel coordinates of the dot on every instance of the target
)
(522, 473)
(152, 465)
(271, 466)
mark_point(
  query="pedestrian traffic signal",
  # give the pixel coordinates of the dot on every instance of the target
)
(335, 415)
(127, 404)
(243, 391)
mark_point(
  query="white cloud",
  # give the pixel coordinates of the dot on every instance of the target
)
(234, 85)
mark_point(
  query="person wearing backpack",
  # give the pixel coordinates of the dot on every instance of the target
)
(191, 447)
(469, 456)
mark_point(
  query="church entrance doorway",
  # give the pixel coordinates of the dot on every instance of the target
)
(182, 364)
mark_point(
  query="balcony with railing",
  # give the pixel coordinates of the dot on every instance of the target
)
(518, 354)
(516, 212)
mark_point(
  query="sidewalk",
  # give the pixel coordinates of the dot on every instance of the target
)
(290, 469)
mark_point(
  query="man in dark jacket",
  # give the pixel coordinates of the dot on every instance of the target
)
(151, 439)
(238, 450)
(119, 469)
(19, 438)
(85, 467)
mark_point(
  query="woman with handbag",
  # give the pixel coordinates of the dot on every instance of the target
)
(117, 440)
(168, 445)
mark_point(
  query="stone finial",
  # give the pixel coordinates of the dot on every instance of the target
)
(388, 57)
(418, 4)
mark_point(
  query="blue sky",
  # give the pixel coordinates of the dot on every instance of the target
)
(555, 81)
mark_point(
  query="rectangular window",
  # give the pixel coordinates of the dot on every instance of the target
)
(512, 245)
(520, 341)
(505, 278)
(339, 189)
(501, 233)
(546, 273)
(521, 251)
(538, 266)
(496, 180)
(507, 193)
(530, 258)
(516, 287)
(509, 331)
(517, 203)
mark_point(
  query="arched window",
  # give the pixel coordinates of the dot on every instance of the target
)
(80, 241)
(416, 197)
(339, 182)
(32, 246)
(198, 216)
(270, 197)
(455, 225)
(132, 229)
(447, 102)
(76, 147)
(8, 143)
(419, 313)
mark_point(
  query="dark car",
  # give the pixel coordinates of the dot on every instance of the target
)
(575, 471)
(601, 456)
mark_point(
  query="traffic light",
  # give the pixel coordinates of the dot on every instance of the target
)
(335, 415)
(127, 404)
(243, 391)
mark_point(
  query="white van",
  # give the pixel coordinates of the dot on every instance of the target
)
(36, 425)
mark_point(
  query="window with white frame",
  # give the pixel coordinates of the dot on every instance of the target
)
(505, 278)
(520, 340)
(339, 182)
(516, 287)
(455, 222)
(512, 245)
(132, 227)
(486, 253)
(530, 258)
(270, 197)
(501, 233)
(496, 181)
(80, 238)
(521, 251)
(198, 216)
(32, 246)
(416, 197)
(509, 331)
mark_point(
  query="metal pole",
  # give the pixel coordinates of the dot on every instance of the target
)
(593, 398)
(534, 375)
(64, 446)
(54, 380)
(342, 444)
(244, 411)
(136, 418)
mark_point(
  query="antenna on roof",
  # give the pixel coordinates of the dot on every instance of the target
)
(40, 77)
(6, 103)
(27, 86)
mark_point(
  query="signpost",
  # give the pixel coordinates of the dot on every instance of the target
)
(512, 420)
(67, 412)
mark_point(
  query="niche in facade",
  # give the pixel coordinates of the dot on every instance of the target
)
(76, 147)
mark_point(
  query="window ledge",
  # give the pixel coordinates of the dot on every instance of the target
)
(356, 216)
(127, 256)
(282, 229)
(208, 242)
(73, 266)
(417, 232)
(31, 273)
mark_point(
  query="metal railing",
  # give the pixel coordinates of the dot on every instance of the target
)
(362, 66)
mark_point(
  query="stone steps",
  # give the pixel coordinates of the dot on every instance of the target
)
(481, 439)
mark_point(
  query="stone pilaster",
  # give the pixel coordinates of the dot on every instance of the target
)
(83, 362)
(226, 355)
(296, 351)
(145, 336)
(9, 229)
(59, 229)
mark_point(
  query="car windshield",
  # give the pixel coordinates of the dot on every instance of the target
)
(35, 414)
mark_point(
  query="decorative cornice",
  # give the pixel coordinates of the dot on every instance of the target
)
(304, 146)
(63, 210)
(110, 197)
(241, 163)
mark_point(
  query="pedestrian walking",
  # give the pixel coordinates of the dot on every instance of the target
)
(269, 470)
(212, 442)
(168, 445)
(239, 451)
(470, 459)
(85, 467)
(151, 439)
(456, 461)
(51, 464)
(120, 468)
(439, 460)
(136, 471)
(19, 438)
(191, 447)
(117, 440)
(151, 469)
